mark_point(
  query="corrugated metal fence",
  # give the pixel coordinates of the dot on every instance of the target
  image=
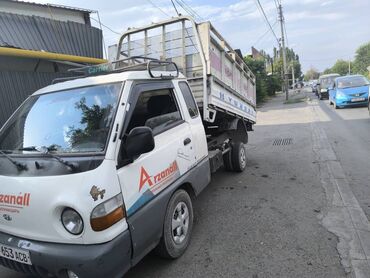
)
(38, 33)
(15, 87)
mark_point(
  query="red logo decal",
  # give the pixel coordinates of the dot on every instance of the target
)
(160, 177)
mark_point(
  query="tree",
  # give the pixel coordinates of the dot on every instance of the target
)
(362, 59)
(257, 66)
(91, 121)
(340, 67)
(311, 74)
(327, 71)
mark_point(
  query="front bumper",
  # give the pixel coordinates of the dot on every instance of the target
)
(349, 103)
(111, 259)
(324, 94)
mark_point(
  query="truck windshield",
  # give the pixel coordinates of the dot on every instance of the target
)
(70, 121)
(328, 81)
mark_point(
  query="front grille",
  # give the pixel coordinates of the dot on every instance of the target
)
(357, 95)
(25, 268)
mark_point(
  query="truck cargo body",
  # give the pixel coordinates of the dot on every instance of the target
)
(220, 80)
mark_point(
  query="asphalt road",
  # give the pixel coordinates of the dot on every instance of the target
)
(267, 221)
(349, 132)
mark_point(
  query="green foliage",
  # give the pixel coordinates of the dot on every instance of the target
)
(359, 65)
(292, 62)
(327, 71)
(340, 67)
(362, 59)
(266, 85)
(311, 74)
(268, 71)
(257, 66)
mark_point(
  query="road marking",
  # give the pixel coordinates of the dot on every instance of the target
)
(344, 216)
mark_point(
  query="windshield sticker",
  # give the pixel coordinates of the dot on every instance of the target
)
(95, 192)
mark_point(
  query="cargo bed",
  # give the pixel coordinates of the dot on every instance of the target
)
(220, 80)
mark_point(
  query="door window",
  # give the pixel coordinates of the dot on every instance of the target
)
(156, 109)
(189, 99)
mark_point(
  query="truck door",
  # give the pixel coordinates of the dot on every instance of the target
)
(143, 181)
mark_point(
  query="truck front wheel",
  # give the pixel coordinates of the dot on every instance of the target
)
(177, 228)
(227, 161)
(238, 157)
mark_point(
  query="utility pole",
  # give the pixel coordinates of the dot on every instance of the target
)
(293, 74)
(281, 19)
(349, 67)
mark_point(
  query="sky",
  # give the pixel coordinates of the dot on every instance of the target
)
(319, 31)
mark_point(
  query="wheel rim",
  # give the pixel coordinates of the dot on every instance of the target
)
(243, 157)
(180, 223)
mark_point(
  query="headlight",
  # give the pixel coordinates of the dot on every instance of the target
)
(340, 94)
(72, 221)
(107, 214)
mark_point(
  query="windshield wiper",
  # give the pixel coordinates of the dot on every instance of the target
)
(46, 151)
(20, 166)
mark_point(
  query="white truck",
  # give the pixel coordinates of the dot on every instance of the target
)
(98, 170)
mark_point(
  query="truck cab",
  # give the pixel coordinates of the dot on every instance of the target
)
(89, 169)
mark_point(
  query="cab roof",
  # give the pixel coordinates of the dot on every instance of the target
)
(97, 80)
(132, 68)
(349, 76)
(329, 75)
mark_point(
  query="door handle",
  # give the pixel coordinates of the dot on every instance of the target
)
(187, 141)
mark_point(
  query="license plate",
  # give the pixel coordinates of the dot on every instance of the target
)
(15, 254)
(357, 99)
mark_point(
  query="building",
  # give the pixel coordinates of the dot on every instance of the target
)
(38, 43)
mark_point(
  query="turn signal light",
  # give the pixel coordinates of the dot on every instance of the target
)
(102, 223)
(107, 214)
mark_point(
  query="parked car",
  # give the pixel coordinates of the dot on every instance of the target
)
(351, 90)
(97, 171)
(325, 81)
(314, 86)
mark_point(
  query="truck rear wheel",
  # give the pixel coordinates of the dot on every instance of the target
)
(177, 227)
(238, 157)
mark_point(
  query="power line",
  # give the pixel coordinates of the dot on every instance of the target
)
(155, 6)
(186, 30)
(276, 4)
(173, 4)
(286, 35)
(107, 27)
(260, 8)
(188, 5)
(264, 34)
(188, 9)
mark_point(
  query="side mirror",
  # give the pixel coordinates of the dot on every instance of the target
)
(140, 140)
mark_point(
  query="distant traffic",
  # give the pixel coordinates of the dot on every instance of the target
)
(342, 91)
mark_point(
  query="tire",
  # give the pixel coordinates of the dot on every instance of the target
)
(335, 105)
(228, 162)
(238, 157)
(175, 241)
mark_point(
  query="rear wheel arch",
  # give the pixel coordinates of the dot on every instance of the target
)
(240, 133)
